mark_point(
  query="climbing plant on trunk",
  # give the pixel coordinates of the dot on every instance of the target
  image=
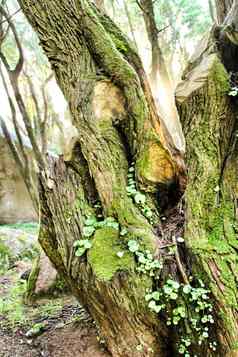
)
(100, 209)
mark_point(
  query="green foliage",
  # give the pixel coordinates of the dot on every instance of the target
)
(28, 227)
(138, 197)
(11, 305)
(14, 313)
(82, 246)
(133, 246)
(233, 91)
(91, 225)
(106, 256)
(5, 255)
(185, 17)
(188, 308)
(36, 329)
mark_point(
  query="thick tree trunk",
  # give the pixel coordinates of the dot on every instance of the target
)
(209, 118)
(103, 80)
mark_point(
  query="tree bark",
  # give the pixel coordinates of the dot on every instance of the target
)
(209, 118)
(158, 65)
(109, 97)
(104, 83)
(128, 15)
(222, 9)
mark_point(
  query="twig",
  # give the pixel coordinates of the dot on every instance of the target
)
(10, 16)
(179, 263)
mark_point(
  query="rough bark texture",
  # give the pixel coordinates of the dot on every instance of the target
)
(209, 118)
(102, 78)
(222, 9)
(104, 83)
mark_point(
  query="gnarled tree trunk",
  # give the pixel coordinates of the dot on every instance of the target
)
(209, 118)
(104, 83)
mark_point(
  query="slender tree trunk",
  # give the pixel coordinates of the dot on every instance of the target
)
(222, 9)
(162, 88)
(158, 64)
(211, 10)
(128, 15)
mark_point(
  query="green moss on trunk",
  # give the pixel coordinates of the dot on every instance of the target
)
(103, 256)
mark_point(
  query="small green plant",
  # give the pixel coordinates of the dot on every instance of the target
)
(234, 91)
(5, 255)
(82, 246)
(11, 305)
(185, 306)
(90, 225)
(146, 263)
(138, 197)
(36, 329)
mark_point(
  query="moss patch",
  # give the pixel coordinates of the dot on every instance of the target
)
(103, 255)
(31, 283)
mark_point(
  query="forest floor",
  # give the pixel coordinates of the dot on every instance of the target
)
(52, 327)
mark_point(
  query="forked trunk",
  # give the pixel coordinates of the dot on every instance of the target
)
(100, 208)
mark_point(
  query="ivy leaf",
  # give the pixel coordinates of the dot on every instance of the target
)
(186, 289)
(114, 225)
(154, 307)
(80, 251)
(148, 213)
(167, 289)
(131, 190)
(148, 297)
(87, 244)
(142, 259)
(120, 254)
(140, 198)
(156, 295)
(133, 246)
(173, 296)
(88, 231)
(233, 92)
(123, 232)
(90, 221)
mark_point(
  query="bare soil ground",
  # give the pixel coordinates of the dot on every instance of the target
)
(69, 341)
(68, 333)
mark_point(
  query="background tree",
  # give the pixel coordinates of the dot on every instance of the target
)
(25, 101)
